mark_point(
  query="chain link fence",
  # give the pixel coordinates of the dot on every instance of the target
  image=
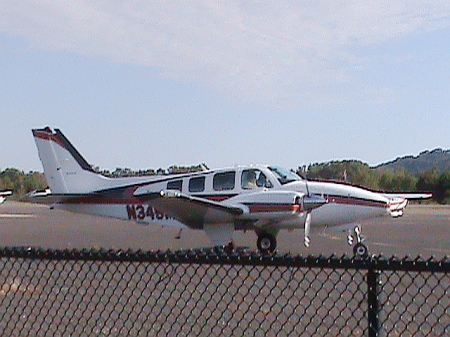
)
(212, 293)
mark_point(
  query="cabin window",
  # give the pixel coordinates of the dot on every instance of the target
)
(175, 185)
(224, 181)
(254, 179)
(197, 184)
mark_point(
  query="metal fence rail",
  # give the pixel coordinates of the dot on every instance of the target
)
(210, 293)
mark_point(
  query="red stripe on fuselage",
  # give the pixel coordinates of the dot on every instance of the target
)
(355, 202)
(127, 198)
(274, 208)
(101, 200)
(218, 198)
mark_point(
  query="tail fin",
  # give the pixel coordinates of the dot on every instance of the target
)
(65, 168)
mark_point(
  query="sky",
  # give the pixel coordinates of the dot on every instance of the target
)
(150, 84)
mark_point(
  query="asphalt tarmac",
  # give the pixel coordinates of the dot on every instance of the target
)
(117, 299)
(424, 230)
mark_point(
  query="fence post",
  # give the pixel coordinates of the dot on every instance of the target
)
(373, 304)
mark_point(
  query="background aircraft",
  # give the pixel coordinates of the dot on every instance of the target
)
(262, 198)
(4, 194)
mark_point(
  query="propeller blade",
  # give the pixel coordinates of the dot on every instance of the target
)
(310, 202)
(307, 229)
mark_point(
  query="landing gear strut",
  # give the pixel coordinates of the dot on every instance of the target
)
(267, 243)
(359, 249)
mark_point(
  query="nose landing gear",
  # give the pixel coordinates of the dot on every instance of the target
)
(359, 249)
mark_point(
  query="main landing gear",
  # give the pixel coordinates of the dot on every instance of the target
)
(359, 249)
(267, 243)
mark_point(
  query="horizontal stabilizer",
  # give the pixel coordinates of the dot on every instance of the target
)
(50, 198)
(5, 193)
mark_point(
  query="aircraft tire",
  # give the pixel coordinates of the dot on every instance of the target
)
(266, 243)
(360, 250)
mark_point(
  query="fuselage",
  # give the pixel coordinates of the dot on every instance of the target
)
(344, 204)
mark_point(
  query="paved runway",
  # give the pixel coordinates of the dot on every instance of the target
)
(423, 230)
(115, 299)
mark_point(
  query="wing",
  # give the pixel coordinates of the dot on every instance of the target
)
(192, 211)
(398, 201)
(409, 196)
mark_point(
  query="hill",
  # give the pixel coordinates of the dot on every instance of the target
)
(436, 159)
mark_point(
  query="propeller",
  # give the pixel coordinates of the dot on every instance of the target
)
(310, 202)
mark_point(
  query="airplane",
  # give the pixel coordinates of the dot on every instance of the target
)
(262, 198)
(4, 194)
(37, 193)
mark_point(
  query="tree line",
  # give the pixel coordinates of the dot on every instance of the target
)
(382, 179)
(21, 182)
(128, 172)
(351, 171)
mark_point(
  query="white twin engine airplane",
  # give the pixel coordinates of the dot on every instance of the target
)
(4, 194)
(262, 198)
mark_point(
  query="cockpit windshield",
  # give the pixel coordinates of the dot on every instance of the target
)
(284, 176)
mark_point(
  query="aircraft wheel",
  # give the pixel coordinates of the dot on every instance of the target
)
(360, 250)
(267, 243)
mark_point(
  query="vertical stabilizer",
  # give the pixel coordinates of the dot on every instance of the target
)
(65, 169)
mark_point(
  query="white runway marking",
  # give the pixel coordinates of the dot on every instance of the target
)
(383, 244)
(17, 216)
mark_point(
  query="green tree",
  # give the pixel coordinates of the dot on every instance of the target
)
(399, 180)
(20, 182)
(428, 180)
(352, 171)
(442, 191)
